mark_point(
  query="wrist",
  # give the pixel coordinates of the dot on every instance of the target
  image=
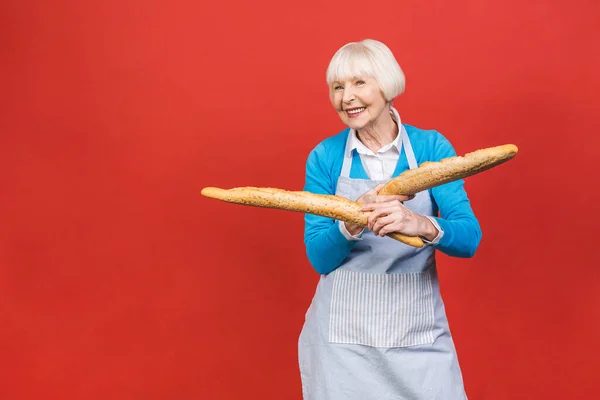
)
(353, 229)
(428, 229)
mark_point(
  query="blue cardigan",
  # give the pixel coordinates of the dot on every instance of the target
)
(327, 248)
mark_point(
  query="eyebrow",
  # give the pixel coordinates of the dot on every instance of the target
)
(352, 78)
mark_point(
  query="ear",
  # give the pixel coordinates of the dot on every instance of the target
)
(388, 104)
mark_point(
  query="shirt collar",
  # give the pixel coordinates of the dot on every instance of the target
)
(356, 144)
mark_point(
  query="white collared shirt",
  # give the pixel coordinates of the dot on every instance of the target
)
(380, 166)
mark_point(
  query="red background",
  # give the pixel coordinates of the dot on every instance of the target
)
(119, 281)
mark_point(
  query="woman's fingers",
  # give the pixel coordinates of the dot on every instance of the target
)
(383, 222)
(381, 209)
(391, 216)
(368, 197)
(372, 197)
(383, 199)
(394, 226)
(372, 206)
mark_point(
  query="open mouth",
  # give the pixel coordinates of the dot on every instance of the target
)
(354, 112)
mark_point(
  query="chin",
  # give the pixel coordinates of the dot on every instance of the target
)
(356, 126)
(352, 123)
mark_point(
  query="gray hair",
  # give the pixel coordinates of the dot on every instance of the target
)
(367, 58)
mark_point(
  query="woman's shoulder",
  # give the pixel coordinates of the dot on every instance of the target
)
(428, 144)
(420, 135)
(325, 159)
(335, 141)
(331, 146)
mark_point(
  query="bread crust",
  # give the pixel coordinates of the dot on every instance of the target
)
(431, 174)
(330, 206)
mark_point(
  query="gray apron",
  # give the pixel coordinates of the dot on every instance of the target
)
(376, 328)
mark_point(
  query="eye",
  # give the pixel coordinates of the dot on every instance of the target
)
(360, 82)
(338, 87)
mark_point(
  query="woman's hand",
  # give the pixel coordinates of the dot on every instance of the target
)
(392, 216)
(371, 197)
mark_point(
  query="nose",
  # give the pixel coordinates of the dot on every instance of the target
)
(348, 96)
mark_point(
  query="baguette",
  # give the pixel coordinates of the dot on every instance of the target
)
(330, 206)
(426, 176)
(431, 174)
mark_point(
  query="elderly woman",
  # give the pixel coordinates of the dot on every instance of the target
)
(376, 328)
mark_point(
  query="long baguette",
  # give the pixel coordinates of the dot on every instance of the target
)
(431, 174)
(331, 206)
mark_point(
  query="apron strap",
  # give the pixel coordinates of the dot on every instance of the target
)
(408, 151)
(347, 164)
(410, 155)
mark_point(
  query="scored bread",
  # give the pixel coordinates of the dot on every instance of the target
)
(330, 206)
(426, 176)
(435, 173)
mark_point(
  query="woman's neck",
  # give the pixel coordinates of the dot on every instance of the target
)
(382, 132)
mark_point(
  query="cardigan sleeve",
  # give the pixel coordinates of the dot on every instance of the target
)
(462, 233)
(326, 246)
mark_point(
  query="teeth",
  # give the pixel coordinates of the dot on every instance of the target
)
(356, 111)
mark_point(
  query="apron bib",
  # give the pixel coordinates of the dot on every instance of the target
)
(382, 294)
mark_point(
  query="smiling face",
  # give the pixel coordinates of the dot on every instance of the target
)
(359, 102)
